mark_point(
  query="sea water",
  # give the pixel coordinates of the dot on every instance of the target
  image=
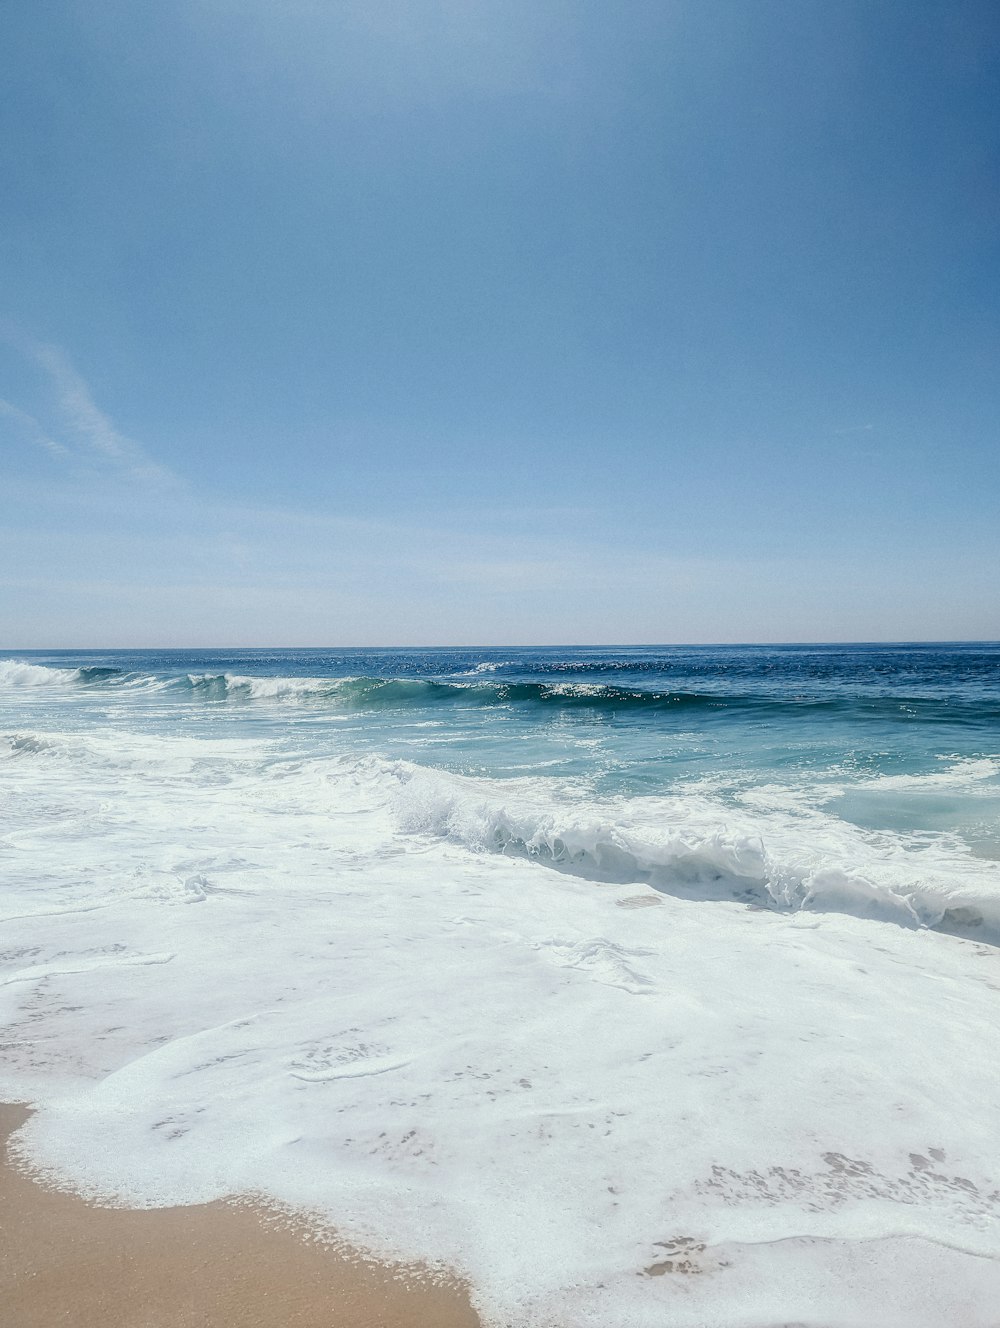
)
(638, 986)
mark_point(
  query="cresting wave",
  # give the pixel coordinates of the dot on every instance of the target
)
(786, 857)
(365, 693)
(19, 673)
(692, 846)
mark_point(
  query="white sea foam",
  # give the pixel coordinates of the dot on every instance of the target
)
(19, 673)
(967, 775)
(237, 686)
(486, 666)
(695, 847)
(357, 986)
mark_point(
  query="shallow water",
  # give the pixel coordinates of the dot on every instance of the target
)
(361, 930)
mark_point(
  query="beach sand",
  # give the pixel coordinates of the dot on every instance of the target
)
(65, 1261)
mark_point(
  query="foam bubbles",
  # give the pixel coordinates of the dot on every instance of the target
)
(19, 673)
(789, 856)
(408, 1002)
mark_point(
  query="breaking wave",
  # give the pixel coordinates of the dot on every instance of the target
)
(20, 673)
(483, 689)
(369, 692)
(695, 847)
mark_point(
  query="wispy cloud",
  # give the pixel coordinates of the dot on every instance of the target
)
(90, 424)
(86, 432)
(28, 427)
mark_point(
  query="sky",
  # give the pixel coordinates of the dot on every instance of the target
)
(377, 322)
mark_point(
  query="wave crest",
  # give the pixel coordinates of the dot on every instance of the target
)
(19, 673)
(22, 673)
(694, 847)
(481, 688)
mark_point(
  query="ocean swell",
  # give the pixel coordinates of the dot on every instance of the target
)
(482, 688)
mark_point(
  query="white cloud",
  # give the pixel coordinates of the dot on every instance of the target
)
(28, 427)
(88, 423)
(86, 433)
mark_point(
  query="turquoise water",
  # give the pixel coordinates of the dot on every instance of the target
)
(896, 738)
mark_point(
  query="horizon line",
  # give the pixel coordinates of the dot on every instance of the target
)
(579, 645)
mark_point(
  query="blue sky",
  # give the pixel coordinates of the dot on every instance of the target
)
(435, 322)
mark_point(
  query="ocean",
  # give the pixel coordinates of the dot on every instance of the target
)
(640, 986)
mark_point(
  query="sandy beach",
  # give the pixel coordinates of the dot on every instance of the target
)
(66, 1261)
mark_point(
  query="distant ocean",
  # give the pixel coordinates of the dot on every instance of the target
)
(642, 986)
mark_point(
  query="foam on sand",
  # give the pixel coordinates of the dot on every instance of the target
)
(213, 1264)
(358, 987)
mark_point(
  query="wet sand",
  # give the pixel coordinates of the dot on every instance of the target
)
(65, 1261)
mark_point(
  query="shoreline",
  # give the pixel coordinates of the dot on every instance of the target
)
(67, 1260)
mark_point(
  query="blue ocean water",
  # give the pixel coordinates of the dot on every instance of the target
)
(898, 738)
(551, 967)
